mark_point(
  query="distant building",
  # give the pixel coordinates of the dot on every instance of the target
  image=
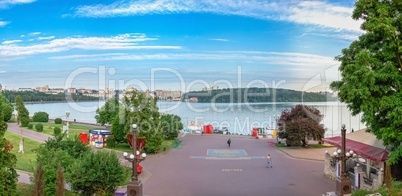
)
(72, 90)
(214, 87)
(1, 88)
(42, 88)
(193, 99)
(26, 89)
(55, 91)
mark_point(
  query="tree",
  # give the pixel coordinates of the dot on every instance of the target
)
(142, 110)
(58, 151)
(58, 121)
(90, 176)
(60, 181)
(8, 160)
(6, 107)
(300, 124)
(170, 125)
(23, 113)
(40, 117)
(371, 69)
(38, 188)
(108, 112)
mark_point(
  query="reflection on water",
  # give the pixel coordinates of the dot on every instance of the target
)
(237, 117)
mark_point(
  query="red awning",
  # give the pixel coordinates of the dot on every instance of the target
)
(364, 150)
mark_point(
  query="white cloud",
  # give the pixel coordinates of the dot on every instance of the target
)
(315, 13)
(7, 3)
(34, 33)
(219, 39)
(263, 58)
(1, 71)
(46, 38)
(3, 23)
(118, 42)
(7, 42)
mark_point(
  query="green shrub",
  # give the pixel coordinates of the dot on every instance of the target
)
(40, 117)
(56, 130)
(30, 126)
(58, 121)
(39, 127)
(111, 142)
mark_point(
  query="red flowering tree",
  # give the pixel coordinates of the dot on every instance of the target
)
(300, 124)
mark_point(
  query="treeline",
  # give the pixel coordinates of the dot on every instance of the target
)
(253, 95)
(36, 96)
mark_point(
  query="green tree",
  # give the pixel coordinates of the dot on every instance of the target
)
(108, 112)
(40, 117)
(142, 110)
(23, 113)
(38, 188)
(170, 125)
(90, 176)
(8, 174)
(300, 124)
(60, 181)
(371, 82)
(7, 108)
(58, 151)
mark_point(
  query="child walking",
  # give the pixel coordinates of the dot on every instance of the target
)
(269, 161)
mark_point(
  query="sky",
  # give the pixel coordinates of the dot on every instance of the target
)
(174, 44)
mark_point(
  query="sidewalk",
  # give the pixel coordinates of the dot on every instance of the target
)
(311, 153)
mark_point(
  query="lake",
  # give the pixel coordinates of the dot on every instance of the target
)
(237, 117)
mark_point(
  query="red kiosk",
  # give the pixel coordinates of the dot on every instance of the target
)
(208, 129)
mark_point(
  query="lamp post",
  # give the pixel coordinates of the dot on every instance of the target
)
(134, 188)
(343, 183)
(67, 115)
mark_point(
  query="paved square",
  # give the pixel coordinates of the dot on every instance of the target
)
(226, 152)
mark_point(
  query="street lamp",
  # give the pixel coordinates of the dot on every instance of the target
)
(343, 183)
(134, 188)
(67, 115)
(276, 117)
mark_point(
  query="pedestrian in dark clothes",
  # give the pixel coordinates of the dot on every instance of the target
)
(229, 141)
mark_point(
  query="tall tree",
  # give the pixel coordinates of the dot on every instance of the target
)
(108, 112)
(142, 110)
(38, 188)
(371, 70)
(300, 124)
(23, 113)
(8, 174)
(6, 107)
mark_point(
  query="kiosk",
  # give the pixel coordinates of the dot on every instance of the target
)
(98, 138)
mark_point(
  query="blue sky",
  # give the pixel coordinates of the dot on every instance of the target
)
(173, 45)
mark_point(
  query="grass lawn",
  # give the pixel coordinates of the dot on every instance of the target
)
(124, 147)
(74, 130)
(24, 161)
(25, 190)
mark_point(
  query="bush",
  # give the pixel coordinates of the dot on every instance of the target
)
(40, 117)
(87, 175)
(58, 121)
(39, 127)
(30, 126)
(56, 130)
(111, 142)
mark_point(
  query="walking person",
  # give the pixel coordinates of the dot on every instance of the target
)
(269, 161)
(229, 141)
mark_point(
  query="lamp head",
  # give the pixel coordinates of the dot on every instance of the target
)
(125, 154)
(131, 156)
(143, 155)
(343, 126)
(134, 126)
